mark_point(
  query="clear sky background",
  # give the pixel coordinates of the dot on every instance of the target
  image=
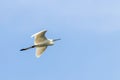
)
(90, 45)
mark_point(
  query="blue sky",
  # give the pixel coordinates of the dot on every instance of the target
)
(90, 45)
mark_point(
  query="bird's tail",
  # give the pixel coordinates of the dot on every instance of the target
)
(27, 48)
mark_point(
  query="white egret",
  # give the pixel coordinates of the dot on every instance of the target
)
(40, 43)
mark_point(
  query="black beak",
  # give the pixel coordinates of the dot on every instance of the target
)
(56, 39)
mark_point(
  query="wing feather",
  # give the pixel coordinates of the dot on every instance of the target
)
(40, 50)
(39, 37)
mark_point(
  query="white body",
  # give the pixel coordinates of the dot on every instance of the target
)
(42, 42)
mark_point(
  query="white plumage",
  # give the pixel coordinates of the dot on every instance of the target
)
(40, 43)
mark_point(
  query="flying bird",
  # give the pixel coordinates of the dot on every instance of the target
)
(40, 43)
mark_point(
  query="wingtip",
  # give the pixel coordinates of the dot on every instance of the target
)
(38, 56)
(38, 32)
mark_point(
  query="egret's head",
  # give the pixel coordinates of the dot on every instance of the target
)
(53, 40)
(56, 39)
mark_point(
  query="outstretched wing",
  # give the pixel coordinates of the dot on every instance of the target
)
(40, 50)
(39, 37)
